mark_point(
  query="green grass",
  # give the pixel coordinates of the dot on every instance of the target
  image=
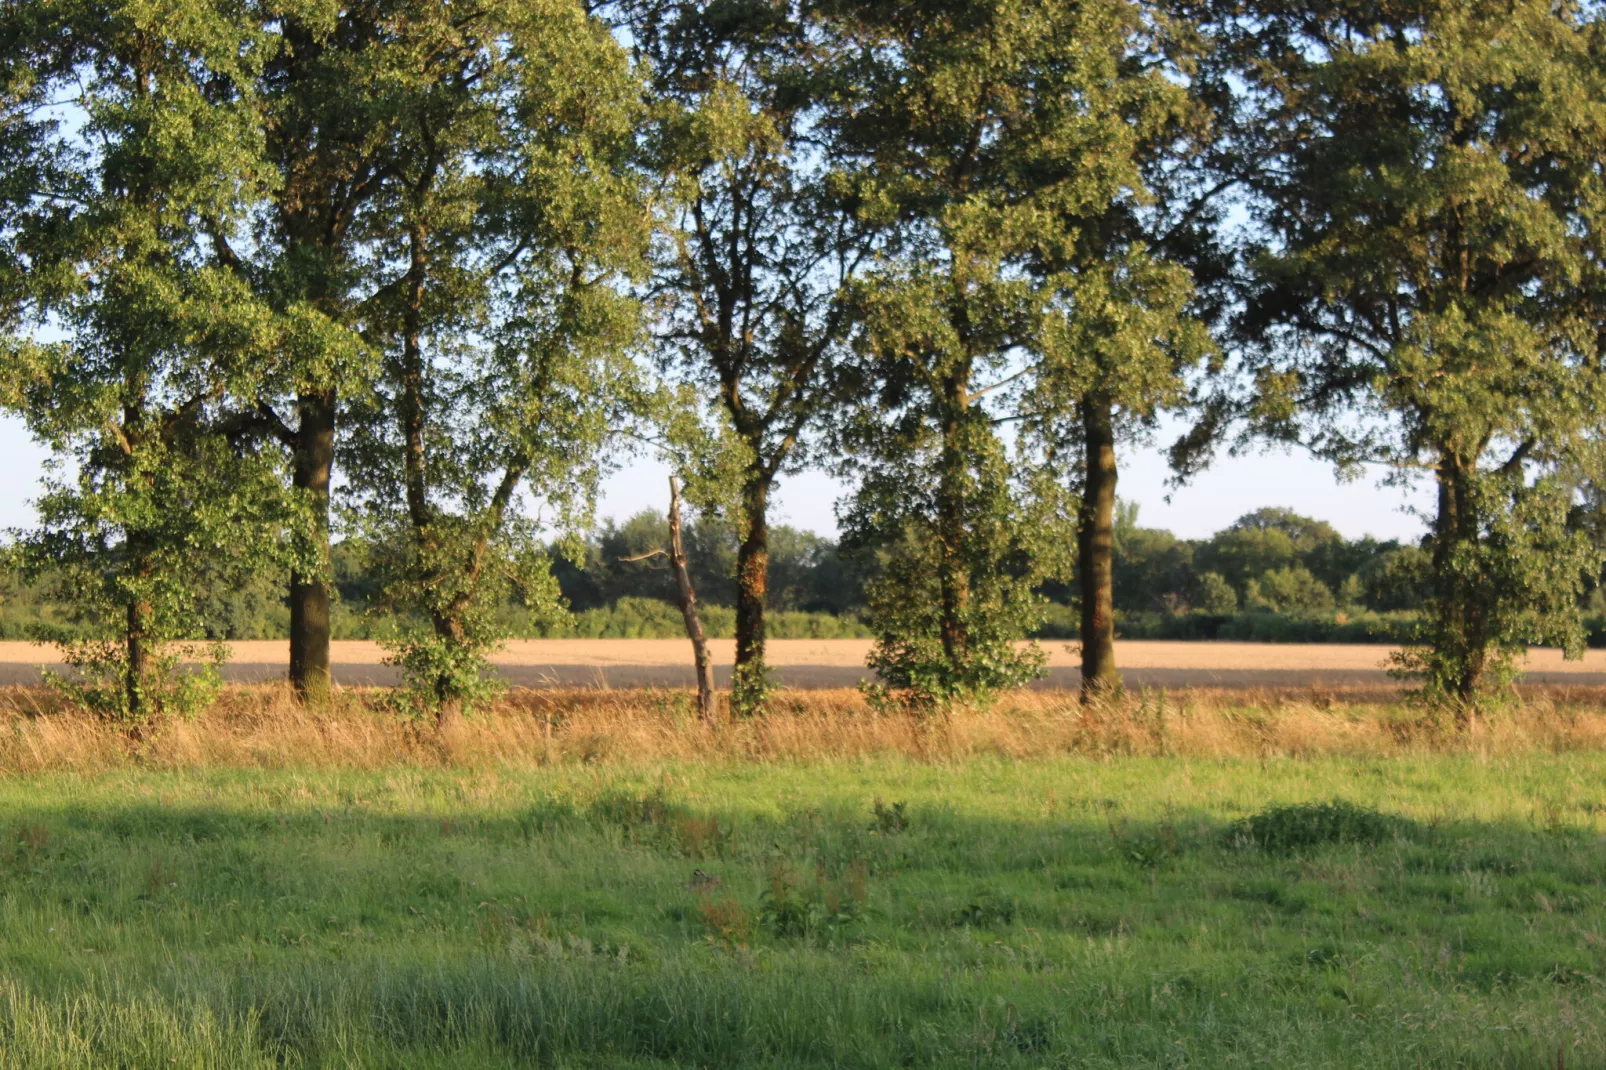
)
(1053, 913)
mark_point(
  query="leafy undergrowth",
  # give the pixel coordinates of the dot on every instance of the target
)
(1426, 910)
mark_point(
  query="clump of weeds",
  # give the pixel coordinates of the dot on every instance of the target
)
(1288, 829)
(793, 906)
(888, 820)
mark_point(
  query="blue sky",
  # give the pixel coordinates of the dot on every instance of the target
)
(1232, 487)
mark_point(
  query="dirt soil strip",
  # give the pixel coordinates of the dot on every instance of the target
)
(824, 663)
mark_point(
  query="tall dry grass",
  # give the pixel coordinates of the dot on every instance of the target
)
(262, 726)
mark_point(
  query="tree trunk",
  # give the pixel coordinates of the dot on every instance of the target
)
(953, 577)
(411, 401)
(448, 698)
(1095, 549)
(138, 633)
(688, 610)
(1460, 638)
(309, 594)
(752, 583)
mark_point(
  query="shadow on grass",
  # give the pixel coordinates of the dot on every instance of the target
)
(631, 926)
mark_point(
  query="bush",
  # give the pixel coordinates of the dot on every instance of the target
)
(1285, 829)
(1289, 590)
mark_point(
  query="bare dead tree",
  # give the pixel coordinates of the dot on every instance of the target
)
(688, 606)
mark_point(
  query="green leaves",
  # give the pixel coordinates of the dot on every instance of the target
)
(1432, 208)
(163, 488)
(513, 221)
(887, 230)
(997, 148)
(749, 264)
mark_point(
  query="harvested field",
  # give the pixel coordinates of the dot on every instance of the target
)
(835, 663)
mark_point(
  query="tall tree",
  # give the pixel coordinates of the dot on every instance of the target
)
(754, 255)
(998, 147)
(1123, 340)
(1141, 273)
(130, 344)
(514, 216)
(1433, 216)
(338, 83)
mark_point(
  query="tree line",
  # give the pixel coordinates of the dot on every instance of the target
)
(421, 274)
(1271, 561)
(1293, 579)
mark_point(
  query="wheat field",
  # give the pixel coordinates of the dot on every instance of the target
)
(839, 663)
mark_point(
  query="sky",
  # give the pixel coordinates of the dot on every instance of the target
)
(1232, 487)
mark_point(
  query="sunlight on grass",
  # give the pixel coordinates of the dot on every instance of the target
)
(878, 912)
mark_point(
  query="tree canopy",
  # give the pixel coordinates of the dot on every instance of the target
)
(1425, 296)
(369, 296)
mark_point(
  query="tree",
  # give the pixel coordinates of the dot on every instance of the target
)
(1432, 211)
(1240, 554)
(513, 216)
(338, 81)
(1139, 274)
(711, 556)
(1153, 569)
(754, 256)
(1215, 594)
(985, 140)
(1130, 344)
(1396, 579)
(1093, 171)
(154, 343)
(686, 598)
(1292, 589)
(803, 571)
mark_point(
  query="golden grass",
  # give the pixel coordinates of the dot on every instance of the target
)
(262, 726)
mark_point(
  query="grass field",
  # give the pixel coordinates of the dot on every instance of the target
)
(1006, 890)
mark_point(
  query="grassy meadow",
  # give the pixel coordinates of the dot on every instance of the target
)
(597, 881)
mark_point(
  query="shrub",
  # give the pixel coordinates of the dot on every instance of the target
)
(1284, 829)
(1216, 594)
(792, 906)
(888, 820)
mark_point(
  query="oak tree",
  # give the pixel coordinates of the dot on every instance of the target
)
(1004, 150)
(337, 84)
(128, 347)
(1141, 273)
(512, 217)
(1432, 207)
(754, 254)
